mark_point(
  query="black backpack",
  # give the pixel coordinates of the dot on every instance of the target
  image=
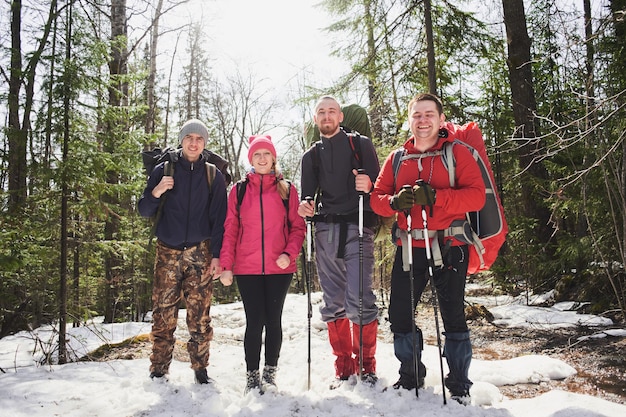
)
(170, 156)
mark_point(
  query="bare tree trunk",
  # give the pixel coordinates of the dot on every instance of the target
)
(118, 96)
(76, 310)
(18, 133)
(430, 48)
(149, 128)
(590, 119)
(376, 103)
(524, 108)
(64, 196)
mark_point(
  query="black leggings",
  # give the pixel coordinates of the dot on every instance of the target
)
(263, 299)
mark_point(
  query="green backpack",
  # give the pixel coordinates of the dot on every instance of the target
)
(355, 120)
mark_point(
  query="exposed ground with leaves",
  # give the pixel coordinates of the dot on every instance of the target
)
(600, 362)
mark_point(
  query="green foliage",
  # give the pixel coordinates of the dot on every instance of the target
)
(582, 147)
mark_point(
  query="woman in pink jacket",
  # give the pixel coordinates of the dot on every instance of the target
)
(262, 239)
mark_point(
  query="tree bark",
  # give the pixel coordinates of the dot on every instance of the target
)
(17, 133)
(64, 197)
(151, 104)
(118, 97)
(524, 109)
(430, 48)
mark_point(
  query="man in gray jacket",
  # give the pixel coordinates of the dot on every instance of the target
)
(331, 165)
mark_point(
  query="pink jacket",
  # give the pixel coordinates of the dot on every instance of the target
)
(257, 233)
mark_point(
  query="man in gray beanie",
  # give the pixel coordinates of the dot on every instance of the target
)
(189, 239)
(193, 126)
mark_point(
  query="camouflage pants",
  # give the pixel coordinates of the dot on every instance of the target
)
(177, 274)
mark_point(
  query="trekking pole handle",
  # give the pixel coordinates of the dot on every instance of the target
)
(420, 182)
(309, 232)
(407, 213)
(308, 200)
(359, 172)
(409, 226)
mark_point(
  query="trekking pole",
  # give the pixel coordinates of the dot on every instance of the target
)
(434, 291)
(409, 242)
(309, 275)
(360, 171)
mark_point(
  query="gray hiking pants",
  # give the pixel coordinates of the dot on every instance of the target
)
(339, 278)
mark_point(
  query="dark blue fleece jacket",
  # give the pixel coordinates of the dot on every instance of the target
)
(190, 213)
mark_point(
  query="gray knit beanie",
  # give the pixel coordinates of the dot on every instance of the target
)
(193, 126)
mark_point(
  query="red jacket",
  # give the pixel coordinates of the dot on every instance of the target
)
(450, 203)
(257, 233)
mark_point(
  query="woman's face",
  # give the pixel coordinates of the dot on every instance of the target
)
(262, 161)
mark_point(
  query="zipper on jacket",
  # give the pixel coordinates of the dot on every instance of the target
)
(188, 205)
(262, 228)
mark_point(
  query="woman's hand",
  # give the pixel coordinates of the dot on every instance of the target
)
(226, 278)
(283, 261)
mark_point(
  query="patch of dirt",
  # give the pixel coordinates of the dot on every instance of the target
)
(134, 348)
(600, 363)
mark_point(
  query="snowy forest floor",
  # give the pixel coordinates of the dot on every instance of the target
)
(600, 362)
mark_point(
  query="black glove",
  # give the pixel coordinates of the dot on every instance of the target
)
(424, 194)
(403, 200)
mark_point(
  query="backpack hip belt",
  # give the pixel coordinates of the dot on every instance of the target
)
(459, 229)
(369, 220)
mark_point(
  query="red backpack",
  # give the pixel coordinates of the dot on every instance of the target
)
(488, 224)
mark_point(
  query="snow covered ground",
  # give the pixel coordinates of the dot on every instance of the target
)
(122, 387)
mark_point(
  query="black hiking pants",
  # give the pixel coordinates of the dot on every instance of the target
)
(263, 299)
(450, 284)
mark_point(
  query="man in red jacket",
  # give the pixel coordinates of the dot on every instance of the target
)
(429, 191)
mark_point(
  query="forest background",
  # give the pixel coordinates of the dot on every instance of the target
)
(88, 87)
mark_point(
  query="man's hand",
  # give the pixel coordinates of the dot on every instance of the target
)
(226, 278)
(215, 268)
(306, 208)
(403, 200)
(424, 194)
(166, 183)
(362, 182)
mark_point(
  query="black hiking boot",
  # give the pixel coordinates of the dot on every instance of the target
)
(369, 378)
(253, 381)
(156, 374)
(408, 383)
(269, 377)
(202, 377)
(462, 398)
(339, 381)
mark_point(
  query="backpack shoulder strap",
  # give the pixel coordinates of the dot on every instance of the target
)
(286, 199)
(316, 159)
(171, 157)
(449, 162)
(395, 164)
(210, 174)
(241, 191)
(355, 144)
